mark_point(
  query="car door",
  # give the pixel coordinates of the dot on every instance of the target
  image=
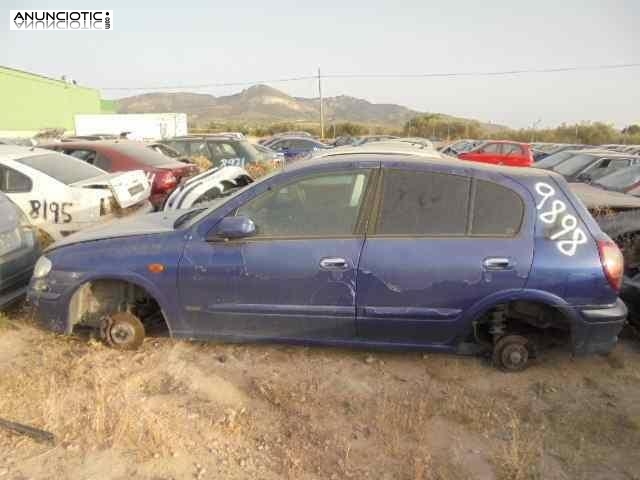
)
(295, 278)
(488, 153)
(439, 244)
(512, 155)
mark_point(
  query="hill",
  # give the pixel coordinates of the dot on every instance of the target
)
(264, 104)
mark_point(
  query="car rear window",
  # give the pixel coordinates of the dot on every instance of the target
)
(574, 164)
(143, 154)
(621, 180)
(423, 203)
(554, 159)
(63, 168)
(497, 210)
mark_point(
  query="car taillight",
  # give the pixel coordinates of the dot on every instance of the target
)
(612, 262)
(165, 181)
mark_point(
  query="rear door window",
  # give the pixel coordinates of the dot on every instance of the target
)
(497, 210)
(511, 149)
(423, 203)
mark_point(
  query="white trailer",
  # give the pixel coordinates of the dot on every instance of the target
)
(142, 126)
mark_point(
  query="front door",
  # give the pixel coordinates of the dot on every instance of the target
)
(295, 278)
(488, 153)
(440, 243)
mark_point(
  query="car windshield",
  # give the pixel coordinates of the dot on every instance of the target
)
(142, 154)
(621, 180)
(574, 164)
(64, 168)
(225, 149)
(555, 159)
(165, 150)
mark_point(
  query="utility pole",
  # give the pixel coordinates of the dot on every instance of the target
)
(321, 105)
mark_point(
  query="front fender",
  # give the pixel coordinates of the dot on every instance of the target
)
(168, 308)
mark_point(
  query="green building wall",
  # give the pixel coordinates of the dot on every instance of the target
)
(30, 103)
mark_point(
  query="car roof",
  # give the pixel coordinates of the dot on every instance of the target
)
(296, 137)
(14, 152)
(505, 141)
(414, 158)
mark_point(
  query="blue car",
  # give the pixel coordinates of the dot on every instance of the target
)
(355, 250)
(295, 147)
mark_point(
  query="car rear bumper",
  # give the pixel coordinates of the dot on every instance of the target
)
(599, 329)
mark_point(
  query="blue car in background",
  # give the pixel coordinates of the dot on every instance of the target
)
(19, 250)
(295, 147)
(356, 250)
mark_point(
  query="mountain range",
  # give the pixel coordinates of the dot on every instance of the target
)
(264, 104)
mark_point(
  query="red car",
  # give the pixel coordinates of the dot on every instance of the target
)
(513, 154)
(125, 155)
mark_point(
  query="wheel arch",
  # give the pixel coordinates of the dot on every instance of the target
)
(129, 278)
(484, 306)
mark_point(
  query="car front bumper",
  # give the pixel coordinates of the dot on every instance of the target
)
(598, 331)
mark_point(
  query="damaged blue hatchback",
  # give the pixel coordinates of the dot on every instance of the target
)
(356, 250)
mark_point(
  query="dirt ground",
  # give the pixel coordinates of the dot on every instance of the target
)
(181, 410)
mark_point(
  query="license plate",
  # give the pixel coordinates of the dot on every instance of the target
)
(136, 189)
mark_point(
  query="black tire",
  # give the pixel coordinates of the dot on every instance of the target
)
(122, 331)
(511, 353)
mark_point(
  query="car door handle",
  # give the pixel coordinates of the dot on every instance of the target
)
(334, 263)
(497, 263)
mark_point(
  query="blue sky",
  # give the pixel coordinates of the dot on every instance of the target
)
(213, 42)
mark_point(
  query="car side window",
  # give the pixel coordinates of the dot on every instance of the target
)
(12, 181)
(497, 210)
(197, 149)
(280, 145)
(102, 162)
(423, 203)
(490, 148)
(88, 156)
(181, 147)
(315, 206)
(511, 149)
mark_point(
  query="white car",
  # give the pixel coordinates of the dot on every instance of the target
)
(61, 194)
(383, 147)
(206, 187)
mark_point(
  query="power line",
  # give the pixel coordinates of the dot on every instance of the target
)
(388, 75)
(485, 74)
(212, 85)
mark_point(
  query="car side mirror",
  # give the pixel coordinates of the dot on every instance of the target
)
(231, 228)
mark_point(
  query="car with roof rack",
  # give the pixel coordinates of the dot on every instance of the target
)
(219, 150)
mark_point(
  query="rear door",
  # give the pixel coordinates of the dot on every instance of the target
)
(513, 155)
(438, 244)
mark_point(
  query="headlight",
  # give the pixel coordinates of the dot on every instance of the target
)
(42, 268)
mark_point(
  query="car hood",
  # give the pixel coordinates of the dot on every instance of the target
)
(134, 225)
(594, 197)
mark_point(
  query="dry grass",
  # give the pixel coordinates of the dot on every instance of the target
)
(280, 412)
